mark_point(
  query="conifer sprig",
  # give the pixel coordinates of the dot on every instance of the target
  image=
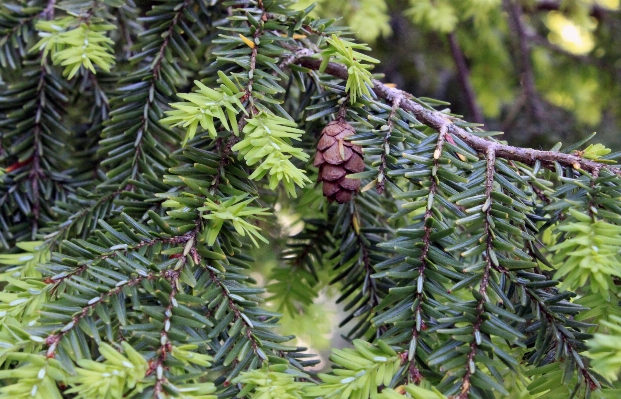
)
(361, 371)
(233, 210)
(16, 29)
(589, 253)
(344, 52)
(206, 105)
(115, 377)
(605, 348)
(272, 382)
(73, 44)
(268, 139)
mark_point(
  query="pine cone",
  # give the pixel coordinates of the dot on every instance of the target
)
(335, 159)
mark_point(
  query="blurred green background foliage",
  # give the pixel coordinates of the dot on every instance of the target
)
(541, 71)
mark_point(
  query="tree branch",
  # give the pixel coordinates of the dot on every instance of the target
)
(483, 285)
(528, 76)
(157, 364)
(54, 339)
(155, 75)
(48, 12)
(414, 374)
(382, 168)
(438, 120)
(595, 10)
(463, 76)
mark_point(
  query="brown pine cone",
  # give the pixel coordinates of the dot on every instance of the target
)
(336, 158)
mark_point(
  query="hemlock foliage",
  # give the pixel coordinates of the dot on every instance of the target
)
(558, 53)
(146, 149)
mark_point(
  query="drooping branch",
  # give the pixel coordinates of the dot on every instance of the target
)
(382, 168)
(113, 252)
(463, 76)
(157, 364)
(438, 120)
(369, 286)
(155, 76)
(37, 172)
(526, 69)
(54, 339)
(414, 374)
(237, 311)
(563, 338)
(484, 283)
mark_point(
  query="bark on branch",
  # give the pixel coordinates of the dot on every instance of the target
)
(440, 121)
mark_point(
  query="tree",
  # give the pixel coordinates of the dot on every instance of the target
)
(488, 56)
(146, 150)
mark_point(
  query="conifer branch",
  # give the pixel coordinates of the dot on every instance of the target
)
(159, 58)
(126, 33)
(155, 75)
(14, 31)
(224, 149)
(437, 120)
(157, 364)
(379, 186)
(36, 173)
(413, 372)
(171, 274)
(60, 233)
(238, 314)
(254, 44)
(250, 107)
(81, 267)
(563, 338)
(369, 284)
(480, 308)
(445, 272)
(54, 338)
(301, 257)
